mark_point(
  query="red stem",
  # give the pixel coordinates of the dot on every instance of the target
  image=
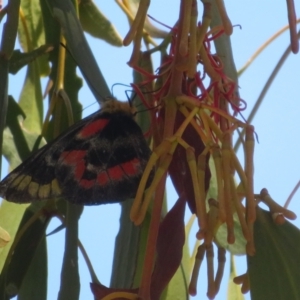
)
(292, 22)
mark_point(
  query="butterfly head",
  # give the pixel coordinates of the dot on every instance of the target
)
(112, 105)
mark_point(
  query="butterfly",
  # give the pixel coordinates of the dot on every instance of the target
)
(98, 160)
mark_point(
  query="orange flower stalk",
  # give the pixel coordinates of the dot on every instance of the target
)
(192, 120)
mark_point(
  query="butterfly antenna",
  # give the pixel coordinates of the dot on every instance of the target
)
(149, 108)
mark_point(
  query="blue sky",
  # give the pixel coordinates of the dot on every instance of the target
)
(277, 162)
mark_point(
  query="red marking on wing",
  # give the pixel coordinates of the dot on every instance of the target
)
(92, 128)
(72, 157)
(131, 167)
(127, 169)
(115, 173)
(102, 178)
(87, 183)
(75, 159)
(79, 169)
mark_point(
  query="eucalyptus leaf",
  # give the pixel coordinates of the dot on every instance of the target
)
(3, 99)
(233, 290)
(20, 59)
(70, 282)
(16, 267)
(4, 237)
(14, 115)
(10, 30)
(10, 218)
(11, 213)
(34, 285)
(179, 284)
(126, 251)
(97, 25)
(65, 13)
(32, 26)
(31, 99)
(238, 247)
(274, 269)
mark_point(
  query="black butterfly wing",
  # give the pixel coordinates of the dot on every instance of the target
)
(34, 179)
(104, 167)
(95, 161)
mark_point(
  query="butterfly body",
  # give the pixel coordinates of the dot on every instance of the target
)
(97, 160)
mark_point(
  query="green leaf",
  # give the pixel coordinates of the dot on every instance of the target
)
(178, 287)
(16, 267)
(65, 13)
(10, 29)
(143, 118)
(3, 100)
(34, 285)
(19, 59)
(18, 142)
(14, 112)
(31, 99)
(11, 213)
(10, 218)
(274, 269)
(238, 247)
(128, 241)
(51, 26)
(96, 24)
(31, 31)
(233, 290)
(70, 283)
(31, 25)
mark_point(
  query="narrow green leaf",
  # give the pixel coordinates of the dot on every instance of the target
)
(2, 14)
(178, 288)
(4, 237)
(20, 59)
(179, 284)
(34, 285)
(31, 31)
(14, 113)
(18, 142)
(31, 99)
(10, 30)
(51, 26)
(14, 147)
(143, 117)
(233, 290)
(15, 269)
(65, 13)
(31, 25)
(274, 269)
(238, 247)
(70, 283)
(126, 249)
(3, 100)
(142, 249)
(10, 218)
(96, 24)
